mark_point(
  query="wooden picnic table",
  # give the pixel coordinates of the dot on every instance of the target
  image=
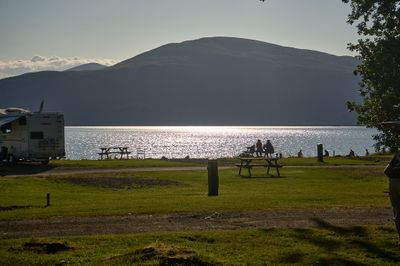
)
(267, 162)
(114, 150)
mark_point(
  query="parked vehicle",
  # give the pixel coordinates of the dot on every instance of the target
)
(31, 136)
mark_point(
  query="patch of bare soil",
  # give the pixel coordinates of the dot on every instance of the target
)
(119, 182)
(164, 254)
(45, 247)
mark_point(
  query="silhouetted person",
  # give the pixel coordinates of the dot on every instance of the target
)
(10, 157)
(351, 153)
(259, 148)
(392, 170)
(326, 153)
(366, 152)
(300, 154)
(268, 148)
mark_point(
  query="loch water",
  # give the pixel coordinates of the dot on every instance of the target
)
(215, 142)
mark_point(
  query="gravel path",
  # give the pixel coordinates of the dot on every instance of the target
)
(62, 226)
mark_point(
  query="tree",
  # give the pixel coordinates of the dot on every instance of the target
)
(378, 24)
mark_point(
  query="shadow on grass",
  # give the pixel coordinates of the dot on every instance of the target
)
(25, 169)
(337, 261)
(293, 257)
(335, 240)
(13, 207)
(353, 230)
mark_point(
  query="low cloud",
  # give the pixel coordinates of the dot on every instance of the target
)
(41, 63)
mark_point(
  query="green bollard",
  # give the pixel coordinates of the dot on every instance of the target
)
(213, 180)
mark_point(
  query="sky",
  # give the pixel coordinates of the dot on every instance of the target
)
(59, 34)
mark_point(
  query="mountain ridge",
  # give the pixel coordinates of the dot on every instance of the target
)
(87, 67)
(208, 81)
(207, 43)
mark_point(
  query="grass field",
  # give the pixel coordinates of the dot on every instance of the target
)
(93, 164)
(297, 188)
(309, 161)
(362, 160)
(185, 191)
(330, 245)
(133, 163)
(65, 164)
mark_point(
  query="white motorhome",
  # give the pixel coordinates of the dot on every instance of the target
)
(31, 136)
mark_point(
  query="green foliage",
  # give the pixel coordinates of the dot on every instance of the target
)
(378, 24)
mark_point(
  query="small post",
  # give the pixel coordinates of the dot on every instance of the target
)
(213, 180)
(320, 155)
(48, 199)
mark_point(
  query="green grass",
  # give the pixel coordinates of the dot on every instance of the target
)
(297, 188)
(309, 161)
(132, 163)
(329, 245)
(312, 161)
(94, 164)
(329, 161)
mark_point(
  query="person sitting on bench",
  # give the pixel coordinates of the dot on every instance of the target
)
(268, 149)
(259, 146)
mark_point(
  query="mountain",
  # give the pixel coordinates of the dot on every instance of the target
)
(209, 81)
(85, 67)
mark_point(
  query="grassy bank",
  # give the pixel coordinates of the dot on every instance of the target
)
(94, 164)
(134, 163)
(330, 245)
(187, 191)
(362, 160)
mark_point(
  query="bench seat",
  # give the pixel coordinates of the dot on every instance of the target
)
(114, 152)
(258, 165)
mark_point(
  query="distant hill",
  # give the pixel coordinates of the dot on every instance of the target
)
(89, 66)
(209, 81)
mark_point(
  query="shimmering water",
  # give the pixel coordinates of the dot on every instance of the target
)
(214, 142)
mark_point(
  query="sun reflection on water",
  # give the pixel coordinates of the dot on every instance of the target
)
(213, 141)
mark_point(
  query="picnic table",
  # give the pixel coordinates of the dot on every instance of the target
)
(114, 150)
(267, 162)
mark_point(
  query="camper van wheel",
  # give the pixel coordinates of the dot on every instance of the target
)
(45, 162)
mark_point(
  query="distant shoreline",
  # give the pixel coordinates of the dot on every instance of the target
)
(213, 126)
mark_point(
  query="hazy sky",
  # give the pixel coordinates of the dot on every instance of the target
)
(120, 29)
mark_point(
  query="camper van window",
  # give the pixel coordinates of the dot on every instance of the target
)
(6, 129)
(37, 135)
(22, 121)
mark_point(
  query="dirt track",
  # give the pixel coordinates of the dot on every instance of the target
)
(194, 222)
